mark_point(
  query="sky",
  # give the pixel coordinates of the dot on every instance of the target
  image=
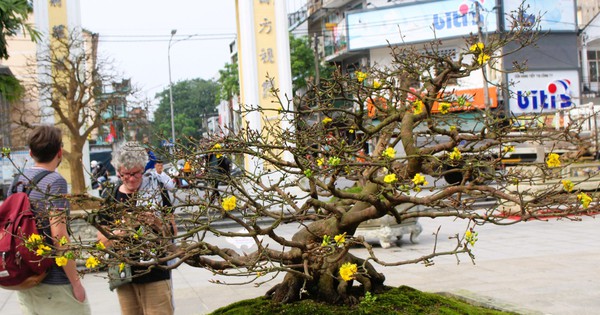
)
(135, 35)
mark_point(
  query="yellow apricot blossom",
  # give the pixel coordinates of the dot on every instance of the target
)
(229, 203)
(568, 185)
(340, 239)
(92, 262)
(348, 270)
(390, 178)
(455, 155)
(320, 161)
(417, 107)
(326, 120)
(553, 160)
(444, 107)
(477, 47)
(34, 239)
(389, 152)
(43, 250)
(471, 237)
(376, 84)
(100, 246)
(508, 149)
(419, 179)
(360, 76)
(584, 199)
(483, 58)
(61, 261)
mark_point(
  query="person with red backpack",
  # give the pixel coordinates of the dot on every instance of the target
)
(61, 291)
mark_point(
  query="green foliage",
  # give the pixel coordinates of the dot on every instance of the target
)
(302, 58)
(193, 101)
(402, 300)
(13, 17)
(10, 88)
(229, 81)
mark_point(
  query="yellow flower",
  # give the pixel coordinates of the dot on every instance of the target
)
(340, 239)
(553, 160)
(229, 203)
(455, 155)
(92, 262)
(444, 107)
(419, 180)
(483, 58)
(320, 161)
(326, 120)
(43, 250)
(509, 148)
(121, 267)
(568, 185)
(390, 178)
(34, 239)
(452, 128)
(347, 271)
(477, 47)
(100, 246)
(417, 107)
(389, 152)
(61, 261)
(351, 131)
(471, 237)
(360, 76)
(63, 241)
(584, 199)
(376, 84)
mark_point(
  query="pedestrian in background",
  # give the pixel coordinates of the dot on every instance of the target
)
(61, 292)
(150, 291)
(219, 168)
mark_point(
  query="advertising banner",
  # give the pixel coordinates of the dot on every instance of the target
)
(543, 91)
(418, 23)
(555, 15)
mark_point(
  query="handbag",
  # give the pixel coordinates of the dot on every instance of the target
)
(117, 276)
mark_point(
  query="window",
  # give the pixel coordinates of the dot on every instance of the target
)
(594, 66)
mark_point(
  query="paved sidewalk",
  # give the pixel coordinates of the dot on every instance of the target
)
(533, 268)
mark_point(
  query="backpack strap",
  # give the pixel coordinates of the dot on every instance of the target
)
(36, 179)
(32, 183)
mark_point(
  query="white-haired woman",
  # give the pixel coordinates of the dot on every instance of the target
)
(150, 291)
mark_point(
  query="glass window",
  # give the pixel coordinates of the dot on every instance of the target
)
(593, 71)
(591, 55)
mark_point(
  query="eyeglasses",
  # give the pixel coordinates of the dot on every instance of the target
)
(132, 174)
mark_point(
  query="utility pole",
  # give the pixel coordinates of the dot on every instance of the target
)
(486, 96)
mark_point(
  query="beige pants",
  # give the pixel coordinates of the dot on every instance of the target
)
(154, 298)
(51, 299)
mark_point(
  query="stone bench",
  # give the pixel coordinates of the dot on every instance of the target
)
(388, 231)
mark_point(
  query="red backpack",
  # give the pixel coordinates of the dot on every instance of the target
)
(20, 267)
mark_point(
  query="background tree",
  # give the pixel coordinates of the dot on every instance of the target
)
(13, 18)
(417, 141)
(193, 101)
(69, 86)
(302, 58)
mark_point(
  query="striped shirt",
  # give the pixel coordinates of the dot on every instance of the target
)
(47, 196)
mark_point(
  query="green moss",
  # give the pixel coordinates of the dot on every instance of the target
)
(402, 300)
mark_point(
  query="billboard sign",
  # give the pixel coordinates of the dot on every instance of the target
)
(555, 15)
(418, 22)
(543, 91)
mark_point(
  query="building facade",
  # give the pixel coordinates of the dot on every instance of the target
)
(356, 35)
